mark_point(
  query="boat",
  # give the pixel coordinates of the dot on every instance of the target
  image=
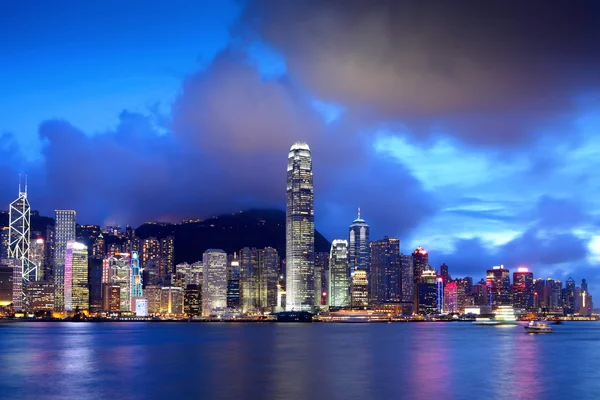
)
(294, 316)
(505, 315)
(538, 327)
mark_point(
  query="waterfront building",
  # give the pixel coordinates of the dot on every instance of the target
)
(117, 271)
(6, 283)
(463, 298)
(192, 301)
(167, 252)
(407, 279)
(451, 297)
(339, 274)
(136, 278)
(141, 307)
(569, 297)
(20, 238)
(385, 277)
(522, 289)
(249, 277)
(38, 253)
(359, 246)
(498, 283)
(359, 289)
(269, 264)
(40, 296)
(300, 230)
(111, 298)
(171, 300)
(153, 294)
(426, 297)
(77, 292)
(233, 281)
(321, 274)
(64, 232)
(214, 285)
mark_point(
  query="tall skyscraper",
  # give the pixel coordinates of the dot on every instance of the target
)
(76, 292)
(426, 297)
(300, 230)
(4, 242)
(249, 277)
(385, 277)
(136, 278)
(522, 289)
(117, 272)
(37, 254)
(99, 248)
(20, 236)
(359, 289)
(498, 282)
(444, 274)
(570, 296)
(167, 250)
(214, 285)
(407, 280)
(321, 274)
(233, 281)
(64, 231)
(420, 263)
(339, 274)
(358, 245)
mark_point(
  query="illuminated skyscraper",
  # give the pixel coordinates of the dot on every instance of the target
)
(64, 231)
(498, 282)
(359, 289)
(522, 289)
(233, 281)
(426, 297)
(358, 245)
(117, 272)
(300, 230)
(150, 250)
(385, 281)
(321, 273)
(76, 290)
(167, 252)
(339, 274)
(420, 263)
(569, 300)
(37, 253)
(249, 276)
(407, 280)
(214, 285)
(4, 242)
(136, 278)
(444, 274)
(99, 248)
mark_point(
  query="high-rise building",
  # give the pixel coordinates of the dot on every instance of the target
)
(569, 301)
(321, 274)
(300, 230)
(358, 245)
(150, 250)
(420, 263)
(426, 297)
(99, 248)
(136, 278)
(214, 285)
(167, 250)
(522, 289)
(191, 301)
(4, 242)
(463, 291)
(76, 270)
(40, 295)
(267, 283)
(249, 276)
(233, 281)
(407, 279)
(153, 293)
(385, 279)
(6, 283)
(95, 280)
(451, 297)
(444, 274)
(171, 300)
(20, 235)
(339, 274)
(38, 253)
(111, 298)
(359, 289)
(498, 282)
(117, 271)
(49, 254)
(64, 231)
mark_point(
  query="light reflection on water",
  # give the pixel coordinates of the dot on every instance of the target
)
(298, 361)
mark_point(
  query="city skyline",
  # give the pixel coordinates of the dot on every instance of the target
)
(483, 164)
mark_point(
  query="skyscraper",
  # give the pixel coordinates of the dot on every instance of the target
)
(420, 263)
(64, 231)
(76, 292)
(358, 245)
(498, 282)
(444, 274)
(136, 278)
(385, 278)
(214, 285)
(339, 275)
(406, 279)
(20, 236)
(37, 254)
(522, 289)
(300, 230)
(167, 250)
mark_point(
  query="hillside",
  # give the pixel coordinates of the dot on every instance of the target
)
(230, 232)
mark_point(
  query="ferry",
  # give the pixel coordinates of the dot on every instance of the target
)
(538, 327)
(505, 315)
(354, 316)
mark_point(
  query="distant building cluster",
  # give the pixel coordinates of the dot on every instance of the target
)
(84, 270)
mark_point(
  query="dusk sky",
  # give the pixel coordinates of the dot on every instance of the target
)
(470, 128)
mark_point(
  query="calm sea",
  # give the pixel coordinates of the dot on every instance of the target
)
(297, 361)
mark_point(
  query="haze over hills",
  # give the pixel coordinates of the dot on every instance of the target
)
(230, 232)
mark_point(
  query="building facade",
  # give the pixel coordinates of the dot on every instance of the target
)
(339, 274)
(359, 250)
(300, 230)
(386, 275)
(214, 285)
(64, 232)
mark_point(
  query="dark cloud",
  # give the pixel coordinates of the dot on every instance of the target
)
(490, 73)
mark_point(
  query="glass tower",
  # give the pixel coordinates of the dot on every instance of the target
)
(300, 230)
(64, 231)
(339, 275)
(76, 290)
(359, 250)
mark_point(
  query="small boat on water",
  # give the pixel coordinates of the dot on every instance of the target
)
(538, 327)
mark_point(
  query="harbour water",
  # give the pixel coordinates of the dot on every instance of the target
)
(297, 361)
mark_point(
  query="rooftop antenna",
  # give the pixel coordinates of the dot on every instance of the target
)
(25, 183)
(358, 212)
(19, 183)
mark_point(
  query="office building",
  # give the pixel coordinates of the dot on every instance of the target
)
(192, 301)
(99, 248)
(214, 285)
(233, 281)
(136, 278)
(385, 278)
(150, 251)
(498, 283)
(49, 254)
(522, 289)
(420, 263)
(37, 253)
(153, 294)
(407, 279)
(171, 300)
(167, 252)
(569, 297)
(300, 230)
(40, 296)
(64, 231)
(6, 284)
(339, 274)
(111, 298)
(444, 274)
(117, 271)
(359, 289)
(20, 237)
(321, 274)
(358, 245)
(4, 242)
(77, 294)
(426, 297)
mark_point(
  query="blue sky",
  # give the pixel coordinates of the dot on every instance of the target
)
(449, 127)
